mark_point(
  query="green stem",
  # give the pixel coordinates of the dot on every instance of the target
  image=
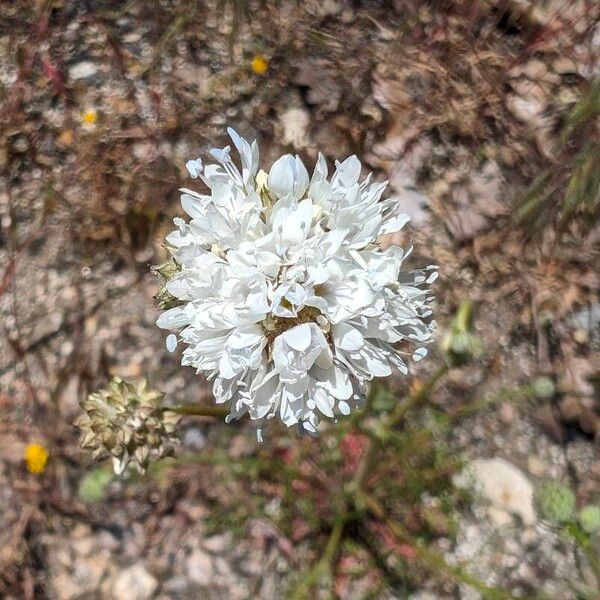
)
(369, 457)
(198, 410)
(416, 398)
(591, 556)
(324, 565)
(512, 396)
(344, 514)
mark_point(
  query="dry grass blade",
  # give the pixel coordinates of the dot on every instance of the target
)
(568, 193)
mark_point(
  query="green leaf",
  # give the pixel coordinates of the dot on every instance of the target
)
(92, 488)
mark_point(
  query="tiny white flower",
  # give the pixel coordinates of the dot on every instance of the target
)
(285, 298)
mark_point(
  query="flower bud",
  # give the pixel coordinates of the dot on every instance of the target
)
(459, 344)
(589, 518)
(544, 387)
(163, 298)
(555, 502)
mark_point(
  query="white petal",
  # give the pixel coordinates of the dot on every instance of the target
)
(288, 176)
(325, 359)
(337, 383)
(248, 154)
(324, 403)
(348, 171)
(298, 337)
(320, 172)
(226, 367)
(434, 275)
(344, 407)
(173, 318)
(195, 207)
(394, 224)
(281, 176)
(171, 342)
(301, 176)
(419, 354)
(194, 167)
(347, 337)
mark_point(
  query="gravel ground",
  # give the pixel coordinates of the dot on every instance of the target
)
(102, 106)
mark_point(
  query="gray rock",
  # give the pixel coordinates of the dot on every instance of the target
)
(175, 585)
(478, 200)
(194, 438)
(587, 318)
(82, 577)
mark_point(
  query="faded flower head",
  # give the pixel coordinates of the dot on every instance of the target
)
(284, 296)
(128, 423)
(460, 344)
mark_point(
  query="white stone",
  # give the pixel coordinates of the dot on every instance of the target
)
(134, 583)
(217, 544)
(295, 122)
(524, 109)
(200, 568)
(500, 517)
(82, 70)
(505, 487)
(412, 202)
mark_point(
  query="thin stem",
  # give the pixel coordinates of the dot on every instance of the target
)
(416, 398)
(370, 454)
(198, 410)
(512, 396)
(324, 565)
(591, 556)
(343, 515)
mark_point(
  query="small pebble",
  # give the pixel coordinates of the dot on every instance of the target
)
(82, 70)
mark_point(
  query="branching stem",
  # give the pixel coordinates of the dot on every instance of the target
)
(354, 489)
(198, 410)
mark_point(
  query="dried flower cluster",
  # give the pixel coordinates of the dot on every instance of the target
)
(128, 423)
(281, 292)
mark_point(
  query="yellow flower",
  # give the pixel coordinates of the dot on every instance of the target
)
(89, 117)
(36, 457)
(260, 65)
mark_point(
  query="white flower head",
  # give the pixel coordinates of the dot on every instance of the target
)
(285, 298)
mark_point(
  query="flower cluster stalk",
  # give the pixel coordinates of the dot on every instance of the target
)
(197, 410)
